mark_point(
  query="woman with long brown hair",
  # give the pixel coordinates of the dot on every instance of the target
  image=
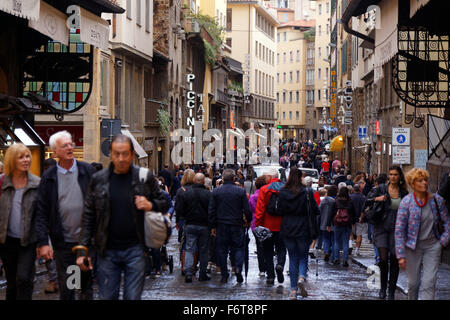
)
(294, 201)
(390, 194)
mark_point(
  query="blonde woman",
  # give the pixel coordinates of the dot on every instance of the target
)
(418, 239)
(17, 237)
(186, 183)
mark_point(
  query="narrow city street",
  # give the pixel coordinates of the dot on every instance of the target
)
(331, 283)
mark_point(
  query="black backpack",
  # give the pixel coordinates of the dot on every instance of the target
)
(272, 206)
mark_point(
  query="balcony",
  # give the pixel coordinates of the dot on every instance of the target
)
(151, 111)
(221, 97)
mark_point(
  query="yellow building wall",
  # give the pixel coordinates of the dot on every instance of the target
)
(294, 41)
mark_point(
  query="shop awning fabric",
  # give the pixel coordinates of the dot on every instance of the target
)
(140, 152)
(27, 9)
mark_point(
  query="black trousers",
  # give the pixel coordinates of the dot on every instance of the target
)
(20, 268)
(277, 243)
(65, 258)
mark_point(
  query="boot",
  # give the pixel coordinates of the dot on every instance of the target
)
(383, 278)
(391, 294)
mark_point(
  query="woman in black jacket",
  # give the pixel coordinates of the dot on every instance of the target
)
(389, 196)
(293, 206)
(344, 218)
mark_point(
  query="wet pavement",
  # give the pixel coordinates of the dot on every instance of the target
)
(330, 283)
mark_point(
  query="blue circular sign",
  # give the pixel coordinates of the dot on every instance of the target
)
(401, 138)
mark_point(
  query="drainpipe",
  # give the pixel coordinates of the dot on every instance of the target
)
(346, 16)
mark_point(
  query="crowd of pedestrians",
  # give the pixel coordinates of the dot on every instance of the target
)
(82, 214)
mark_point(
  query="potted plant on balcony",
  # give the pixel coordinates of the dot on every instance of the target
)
(163, 119)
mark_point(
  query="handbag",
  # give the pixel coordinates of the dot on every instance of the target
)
(377, 213)
(312, 221)
(157, 226)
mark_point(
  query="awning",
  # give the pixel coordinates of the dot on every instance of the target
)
(93, 29)
(386, 46)
(140, 152)
(415, 5)
(27, 9)
(51, 23)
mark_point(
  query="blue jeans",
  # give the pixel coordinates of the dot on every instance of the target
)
(328, 241)
(370, 231)
(341, 238)
(196, 240)
(319, 242)
(230, 238)
(131, 261)
(298, 249)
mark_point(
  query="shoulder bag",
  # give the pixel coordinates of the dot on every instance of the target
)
(157, 226)
(312, 221)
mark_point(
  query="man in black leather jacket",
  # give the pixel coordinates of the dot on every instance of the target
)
(114, 216)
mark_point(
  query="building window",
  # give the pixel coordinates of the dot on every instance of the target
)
(284, 97)
(320, 52)
(298, 76)
(320, 9)
(284, 57)
(278, 37)
(284, 115)
(318, 94)
(284, 77)
(229, 42)
(285, 17)
(290, 96)
(229, 19)
(278, 78)
(138, 12)
(278, 97)
(290, 77)
(147, 15)
(328, 29)
(297, 96)
(290, 115)
(326, 73)
(328, 7)
(104, 82)
(284, 36)
(129, 9)
(319, 74)
(320, 31)
(291, 56)
(297, 115)
(278, 58)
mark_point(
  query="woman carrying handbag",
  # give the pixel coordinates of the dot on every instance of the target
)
(387, 197)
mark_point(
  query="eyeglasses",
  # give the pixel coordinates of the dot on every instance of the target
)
(68, 145)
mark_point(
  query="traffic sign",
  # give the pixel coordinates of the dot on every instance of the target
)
(401, 154)
(362, 132)
(400, 136)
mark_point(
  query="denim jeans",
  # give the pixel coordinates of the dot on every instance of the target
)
(298, 249)
(196, 240)
(328, 241)
(230, 238)
(319, 242)
(341, 238)
(370, 231)
(19, 264)
(269, 244)
(131, 261)
(64, 257)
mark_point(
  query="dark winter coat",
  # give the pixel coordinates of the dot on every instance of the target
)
(193, 205)
(294, 210)
(345, 204)
(97, 211)
(48, 219)
(326, 213)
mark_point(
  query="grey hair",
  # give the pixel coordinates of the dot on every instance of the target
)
(199, 178)
(273, 172)
(341, 185)
(308, 181)
(56, 136)
(228, 175)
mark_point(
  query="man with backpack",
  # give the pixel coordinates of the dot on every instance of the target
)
(273, 223)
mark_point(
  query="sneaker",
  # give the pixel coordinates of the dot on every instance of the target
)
(301, 286)
(262, 274)
(218, 271)
(357, 252)
(239, 277)
(326, 258)
(336, 262)
(293, 295)
(188, 279)
(350, 250)
(279, 271)
(52, 287)
(270, 281)
(311, 254)
(345, 264)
